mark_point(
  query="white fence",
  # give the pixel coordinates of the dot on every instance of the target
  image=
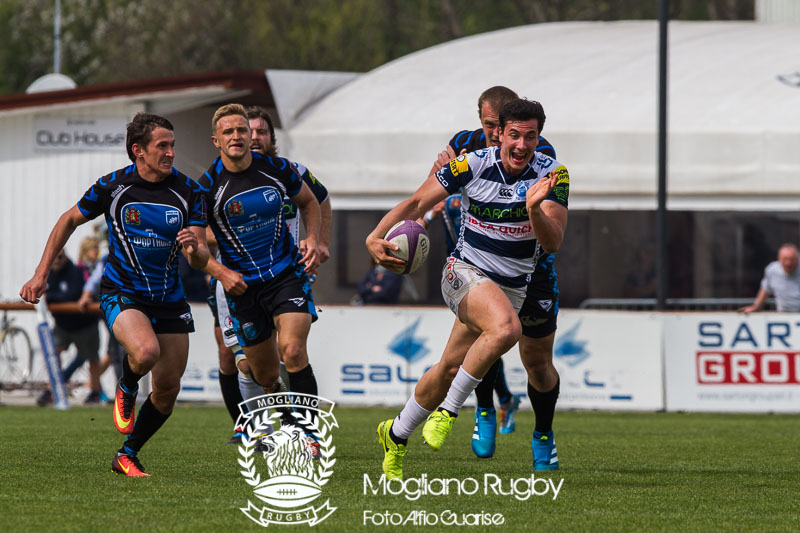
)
(723, 362)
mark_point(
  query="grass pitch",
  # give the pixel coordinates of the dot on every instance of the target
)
(621, 472)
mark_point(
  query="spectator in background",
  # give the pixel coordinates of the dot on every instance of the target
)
(781, 280)
(114, 351)
(88, 255)
(379, 287)
(65, 284)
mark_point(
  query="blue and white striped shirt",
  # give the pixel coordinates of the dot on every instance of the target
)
(496, 233)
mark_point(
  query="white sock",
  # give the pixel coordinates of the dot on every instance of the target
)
(459, 391)
(409, 418)
(249, 388)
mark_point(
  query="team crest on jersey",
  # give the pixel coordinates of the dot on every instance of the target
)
(521, 189)
(173, 217)
(133, 216)
(270, 196)
(235, 208)
(459, 165)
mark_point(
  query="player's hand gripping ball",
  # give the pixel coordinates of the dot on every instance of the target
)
(413, 242)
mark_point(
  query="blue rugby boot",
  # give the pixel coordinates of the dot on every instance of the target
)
(545, 456)
(508, 413)
(483, 435)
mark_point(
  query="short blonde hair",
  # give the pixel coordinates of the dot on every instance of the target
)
(87, 244)
(226, 111)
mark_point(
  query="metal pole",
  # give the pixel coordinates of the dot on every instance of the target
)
(662, 288)
(57, 38)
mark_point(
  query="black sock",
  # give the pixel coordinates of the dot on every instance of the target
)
(500, 385)
(303, 381)
(231, 395)
(148, 421)
(129, 378)
(544, 406)
(451, 413)
(396, 439)
(484, 392)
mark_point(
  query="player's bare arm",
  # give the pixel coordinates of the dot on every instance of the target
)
(549, 219)
(232, 281)
(429, 193)
(61, 232)
(194, 247)
(325, 231)
(311, 216)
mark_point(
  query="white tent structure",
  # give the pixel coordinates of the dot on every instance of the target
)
(734, 113)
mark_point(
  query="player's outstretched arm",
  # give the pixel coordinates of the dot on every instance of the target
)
(426, 196)
(59, 236)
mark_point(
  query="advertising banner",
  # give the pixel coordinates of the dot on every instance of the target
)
(732, 362)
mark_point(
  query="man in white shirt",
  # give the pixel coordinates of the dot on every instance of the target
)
(781, 280)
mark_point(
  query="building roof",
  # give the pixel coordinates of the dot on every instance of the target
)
(734, 113)
(168, 94)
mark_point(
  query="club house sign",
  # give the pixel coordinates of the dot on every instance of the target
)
(79, 134)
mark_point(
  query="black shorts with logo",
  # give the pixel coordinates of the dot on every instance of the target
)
(539, 313)
(165, 317)
(253, 312)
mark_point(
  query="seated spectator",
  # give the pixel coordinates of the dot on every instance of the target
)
(379, 287)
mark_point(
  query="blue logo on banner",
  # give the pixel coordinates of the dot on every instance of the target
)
(569, 349)
(407, 346)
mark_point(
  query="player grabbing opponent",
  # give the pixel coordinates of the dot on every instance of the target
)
(483, 281)
(538, 316)
(152, 211)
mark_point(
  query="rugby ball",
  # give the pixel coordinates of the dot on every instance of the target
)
(288, 491)
(413, 244)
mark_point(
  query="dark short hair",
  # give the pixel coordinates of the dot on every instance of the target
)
(522, 109)
(255, 112)
(496, 97)
(140, 130)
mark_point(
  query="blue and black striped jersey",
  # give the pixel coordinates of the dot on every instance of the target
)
(143, 220)
(245, 212)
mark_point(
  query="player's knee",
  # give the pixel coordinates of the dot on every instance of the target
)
(294, 355)
(506, 333)
(244, 368)
(146, 352)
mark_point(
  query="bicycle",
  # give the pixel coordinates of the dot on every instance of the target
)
(16, 355)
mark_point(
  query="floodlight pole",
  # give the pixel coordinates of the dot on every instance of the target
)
(661, 211)
(57, 38)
